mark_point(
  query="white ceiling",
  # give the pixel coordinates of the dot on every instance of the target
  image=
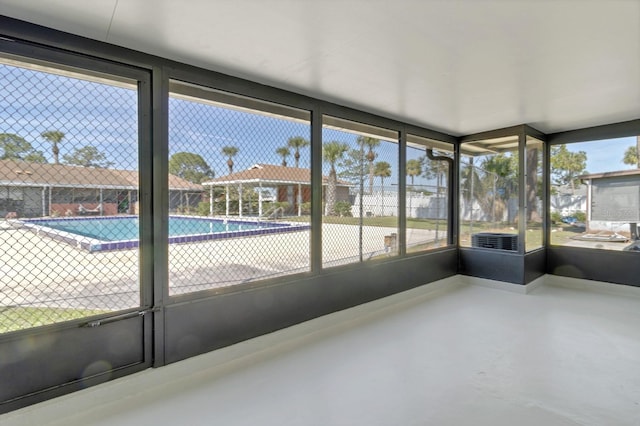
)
(460, 66)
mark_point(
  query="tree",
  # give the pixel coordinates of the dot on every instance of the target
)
(35, 157)
(296, 143)
(533, 159)
(470, 189)
(190, 166)
(382, 169)
(370, 143)
(437, 169)
(14, 147)
(632, 154)
(230, 152)
(414, 168)
(331, 153)
(567, 165)
(352, 166)
(54, 137)
(284, 152)
(500, 180)
(87, 156)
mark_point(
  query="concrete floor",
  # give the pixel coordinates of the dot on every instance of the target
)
(456, 352)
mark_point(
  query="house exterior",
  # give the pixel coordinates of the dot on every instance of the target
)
(613, 201)
(292, 185)
(35, 189)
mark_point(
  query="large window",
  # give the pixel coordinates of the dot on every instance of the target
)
(534, 199)
(429, 164)
(595, 194)
(489, 200)
(239, 189)
(68, 144)
(360, 192)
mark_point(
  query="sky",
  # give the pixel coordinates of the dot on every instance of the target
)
(605, 155)
(91, 113)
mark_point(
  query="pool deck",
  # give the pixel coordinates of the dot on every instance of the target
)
(39, 271)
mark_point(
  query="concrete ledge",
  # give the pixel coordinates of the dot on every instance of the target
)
(501, 285)
(590, 285)
(556, 281)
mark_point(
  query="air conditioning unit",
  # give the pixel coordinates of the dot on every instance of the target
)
(495, 240)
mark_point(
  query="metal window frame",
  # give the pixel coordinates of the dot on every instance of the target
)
(591, 263)
(68, 335)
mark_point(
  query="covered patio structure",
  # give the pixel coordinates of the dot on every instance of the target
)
(291, 184)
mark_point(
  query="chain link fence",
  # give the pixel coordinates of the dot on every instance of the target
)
(239, 193)
(488, 190)
(427, 197)
(251, 163)
(360, 182)
(68, 169)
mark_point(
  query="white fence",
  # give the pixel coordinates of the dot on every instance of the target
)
(568, 204)
(418, 205)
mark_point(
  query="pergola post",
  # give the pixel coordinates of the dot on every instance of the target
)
(100, 204)
(211, 200)
(44, 202)
(260, 200)
(240, 200)
(299, 200)
(227, 199)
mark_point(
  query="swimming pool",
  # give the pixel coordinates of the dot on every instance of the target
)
(122, 232)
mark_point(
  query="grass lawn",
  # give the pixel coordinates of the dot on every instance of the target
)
(561, 234)
(19, 318)
(384, 221)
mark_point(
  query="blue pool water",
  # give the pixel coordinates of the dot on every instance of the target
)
(127, 228)
(122, 232)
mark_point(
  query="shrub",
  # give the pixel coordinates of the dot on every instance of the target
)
(343, 208)
(556, 217)
(580, 216)
(306, 208)
(203, 208)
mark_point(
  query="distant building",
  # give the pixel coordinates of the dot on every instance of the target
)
(34, 189)
(613, 201)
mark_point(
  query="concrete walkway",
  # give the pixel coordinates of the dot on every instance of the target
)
(37, 271)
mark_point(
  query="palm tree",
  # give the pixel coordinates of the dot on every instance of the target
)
(230, 152)
(632, 154)
(55, 137)
(500, 171)
(370, 143)
(284, 152)
(331, 153)
(437, 169)
(470, 190)
(382, 169)
(414, 168)
(296, 143)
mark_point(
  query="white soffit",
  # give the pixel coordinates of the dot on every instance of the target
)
(457, 66)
